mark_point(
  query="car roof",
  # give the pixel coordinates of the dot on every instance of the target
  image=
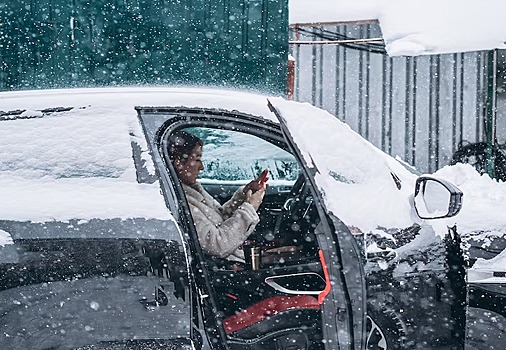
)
(125, 98)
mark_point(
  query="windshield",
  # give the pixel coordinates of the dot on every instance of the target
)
(235, 156)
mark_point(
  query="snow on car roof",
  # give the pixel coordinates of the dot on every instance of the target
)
(67, 154)
(117, 98)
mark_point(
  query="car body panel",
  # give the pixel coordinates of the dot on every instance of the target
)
(73, 284)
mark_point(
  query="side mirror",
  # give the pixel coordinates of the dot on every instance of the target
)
(436, 198)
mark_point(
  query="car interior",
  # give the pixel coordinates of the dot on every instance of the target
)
(270, 301)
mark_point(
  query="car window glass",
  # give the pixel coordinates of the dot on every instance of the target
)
(231, 155)
(62, 146)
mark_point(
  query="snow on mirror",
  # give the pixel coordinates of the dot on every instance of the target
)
(435, 199)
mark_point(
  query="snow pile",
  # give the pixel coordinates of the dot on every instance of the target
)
(484, 202)
(483, 212)
(497, 263)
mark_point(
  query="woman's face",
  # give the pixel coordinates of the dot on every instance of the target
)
(188, 171)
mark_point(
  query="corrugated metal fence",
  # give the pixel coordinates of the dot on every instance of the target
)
(419, 108)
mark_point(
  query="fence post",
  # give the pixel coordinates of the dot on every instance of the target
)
(290, 81)
(491, 111)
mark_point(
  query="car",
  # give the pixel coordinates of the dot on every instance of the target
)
(98, 249)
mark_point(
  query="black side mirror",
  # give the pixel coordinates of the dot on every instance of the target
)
(436, 198)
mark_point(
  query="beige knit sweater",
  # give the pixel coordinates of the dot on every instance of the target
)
(221, 229)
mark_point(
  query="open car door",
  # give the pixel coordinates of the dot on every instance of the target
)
(307, 287)
(344, 307)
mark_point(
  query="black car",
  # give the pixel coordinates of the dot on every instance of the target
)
(98, 249)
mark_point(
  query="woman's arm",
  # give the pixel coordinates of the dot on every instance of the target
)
(233, 203)
(223, 239)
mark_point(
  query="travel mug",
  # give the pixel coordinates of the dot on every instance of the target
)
(256, 257)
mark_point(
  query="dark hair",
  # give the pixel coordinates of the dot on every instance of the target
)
(181, 145)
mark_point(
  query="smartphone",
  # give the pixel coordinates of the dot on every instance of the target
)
(263, 176)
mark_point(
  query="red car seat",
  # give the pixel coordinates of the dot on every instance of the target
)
(275, 313)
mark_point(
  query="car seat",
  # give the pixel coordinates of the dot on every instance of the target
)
(279, 322)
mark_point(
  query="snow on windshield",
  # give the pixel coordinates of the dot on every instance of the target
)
(416, 27)
(349, 169)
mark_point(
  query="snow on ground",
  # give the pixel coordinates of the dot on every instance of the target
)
(416, 27)
(484, 204)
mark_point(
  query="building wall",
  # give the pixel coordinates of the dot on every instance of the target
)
(417, 108)
(62, 43)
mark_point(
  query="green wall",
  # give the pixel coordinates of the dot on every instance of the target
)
(71, 43)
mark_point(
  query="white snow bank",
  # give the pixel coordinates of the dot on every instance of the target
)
(484, 202)
(483, 212)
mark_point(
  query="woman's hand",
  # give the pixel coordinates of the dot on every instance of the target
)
(258, 183)
(255, 198)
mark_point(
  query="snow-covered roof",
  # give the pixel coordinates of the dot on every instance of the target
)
(77, 163)
(416, 27)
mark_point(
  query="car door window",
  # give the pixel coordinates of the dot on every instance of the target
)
(232, 159)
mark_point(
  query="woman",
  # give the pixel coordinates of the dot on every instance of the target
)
(222, 229)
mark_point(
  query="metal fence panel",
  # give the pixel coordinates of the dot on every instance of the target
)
(417, 108)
